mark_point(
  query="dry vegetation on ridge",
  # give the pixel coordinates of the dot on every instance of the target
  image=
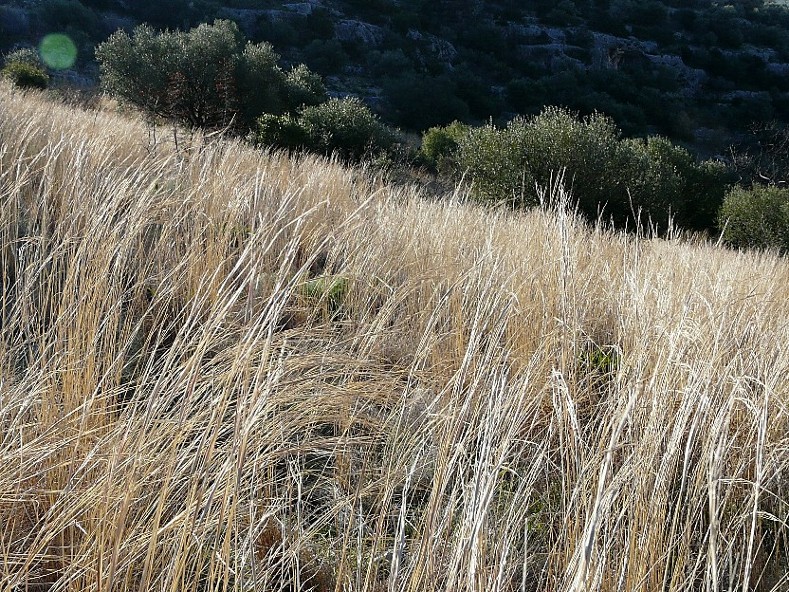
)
(226, 370)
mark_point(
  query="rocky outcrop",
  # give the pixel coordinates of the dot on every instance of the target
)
(438, 47)
(303, 8)
(352, 30)
(779, 69)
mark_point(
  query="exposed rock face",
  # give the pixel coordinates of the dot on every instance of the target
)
(548, 46)
(441, 48)
(304, 8)
(351, 30)
(736, 95)
(780, 69)
(610, 51)
(277, 16)
(556, 35)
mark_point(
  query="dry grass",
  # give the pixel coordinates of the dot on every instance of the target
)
(222, 370)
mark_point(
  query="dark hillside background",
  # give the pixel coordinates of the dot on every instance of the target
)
(705, 74)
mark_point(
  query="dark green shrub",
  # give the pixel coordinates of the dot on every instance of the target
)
(707, 185)
(563, 14)
(495, 162)
(318, 25)
(279, 32)
(439, 145)
(304, 87)
(327, 57)
(346, 126)
(756, 217)
(654, 171)
(24, 75)
(665, 179)
(280, 131)
(587, 150)
(422, 101)
(137, 69)
(388, 63)
(474, 91)
(507, 163)
(69, 16)
(261, 82)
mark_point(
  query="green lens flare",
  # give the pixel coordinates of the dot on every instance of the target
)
(58, 51)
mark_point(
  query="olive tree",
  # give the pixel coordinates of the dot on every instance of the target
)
(209, 76)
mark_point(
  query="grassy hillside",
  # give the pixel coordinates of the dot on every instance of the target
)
(226, 370)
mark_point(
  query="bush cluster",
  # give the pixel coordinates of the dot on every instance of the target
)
(608, 175)
(346, 127)
(756, 217)
(25, 76)
(24, 69)
(440, 144)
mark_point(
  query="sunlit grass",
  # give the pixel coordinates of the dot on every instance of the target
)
(227, 370)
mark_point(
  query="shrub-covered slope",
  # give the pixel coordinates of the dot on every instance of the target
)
(222, 369)
(702, 72)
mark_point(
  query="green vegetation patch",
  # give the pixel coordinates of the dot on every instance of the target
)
(757, 217)
(627, 181)
(25, 75)
(326, 292)
(207, 77)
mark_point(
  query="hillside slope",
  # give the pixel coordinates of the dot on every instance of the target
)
(702, 72)
(223, 369)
